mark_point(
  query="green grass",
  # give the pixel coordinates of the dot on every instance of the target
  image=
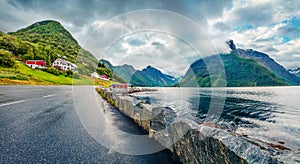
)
(23, 75)
(35, 76)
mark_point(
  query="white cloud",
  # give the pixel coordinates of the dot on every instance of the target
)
(161, 50)
(260, 25)
(289, 53)
(217, 20)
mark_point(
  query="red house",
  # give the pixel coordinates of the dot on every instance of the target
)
(35, 63)
(103, 77)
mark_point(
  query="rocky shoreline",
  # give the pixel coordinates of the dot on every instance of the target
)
(191, 142)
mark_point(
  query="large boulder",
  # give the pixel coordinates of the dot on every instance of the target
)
(194, 143)
(162, 117)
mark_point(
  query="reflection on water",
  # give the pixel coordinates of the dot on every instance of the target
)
(236, 109)
(269, 114)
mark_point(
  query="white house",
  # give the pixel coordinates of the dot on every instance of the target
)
(63, 65)
(95, 75)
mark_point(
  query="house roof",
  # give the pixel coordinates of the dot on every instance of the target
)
(36, 62)
(64, 62)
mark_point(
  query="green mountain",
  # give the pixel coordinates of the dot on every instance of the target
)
(239, 71)
(267, 62)
(49, 40)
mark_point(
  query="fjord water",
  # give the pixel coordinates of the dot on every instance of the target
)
(264, 114)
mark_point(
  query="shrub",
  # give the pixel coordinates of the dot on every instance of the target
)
(69, 73)
(76, 75)
(52, 71)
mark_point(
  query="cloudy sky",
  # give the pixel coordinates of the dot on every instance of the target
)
(168, 34)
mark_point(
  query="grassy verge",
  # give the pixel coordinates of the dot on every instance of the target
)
(22, 75)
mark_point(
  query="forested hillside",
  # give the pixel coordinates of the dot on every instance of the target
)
(47, 40)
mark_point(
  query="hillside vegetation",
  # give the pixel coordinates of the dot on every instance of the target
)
(48, 40)
(239, 72)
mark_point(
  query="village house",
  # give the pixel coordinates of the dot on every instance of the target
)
(95, 75)
(35, 63)
(119, 87)
(104, 77)
(63, 65)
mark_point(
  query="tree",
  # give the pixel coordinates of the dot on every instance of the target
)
(7, 59)
(49, 51)
(104, 71)
(9, 42)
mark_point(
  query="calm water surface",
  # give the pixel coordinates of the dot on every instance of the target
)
(270, 114)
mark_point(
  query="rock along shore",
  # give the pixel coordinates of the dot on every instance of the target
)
(191, 142)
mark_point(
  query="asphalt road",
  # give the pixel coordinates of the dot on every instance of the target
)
(40, 124)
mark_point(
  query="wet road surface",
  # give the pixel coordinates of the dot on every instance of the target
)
(40, 124)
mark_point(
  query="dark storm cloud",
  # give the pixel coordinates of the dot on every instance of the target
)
(256, 15)
(158, 44)
(215, 17)
(80, 12)
(290, 31)
(272, 50)
(221, 26)
(136, 42)
(75, 12)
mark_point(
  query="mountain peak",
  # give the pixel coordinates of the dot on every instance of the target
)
(294, 71)
(231, 45)
(152, 70)
(150, 67)
(45, 29)
(45, 22)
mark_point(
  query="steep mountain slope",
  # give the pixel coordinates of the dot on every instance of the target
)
(152, 77)
(52, 40)
(149, 76)
(239, 72)
(105, 63)
(295, 72)
(266, 61)
(125, 72)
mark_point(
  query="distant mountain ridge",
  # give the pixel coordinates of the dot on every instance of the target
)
(152, 77)
(147, 77)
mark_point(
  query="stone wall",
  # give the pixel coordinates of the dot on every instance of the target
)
(191, 142)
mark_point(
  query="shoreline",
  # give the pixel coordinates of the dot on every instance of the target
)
(170, 134)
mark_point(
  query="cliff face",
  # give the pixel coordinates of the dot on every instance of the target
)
(266, 61)
(191, 142)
